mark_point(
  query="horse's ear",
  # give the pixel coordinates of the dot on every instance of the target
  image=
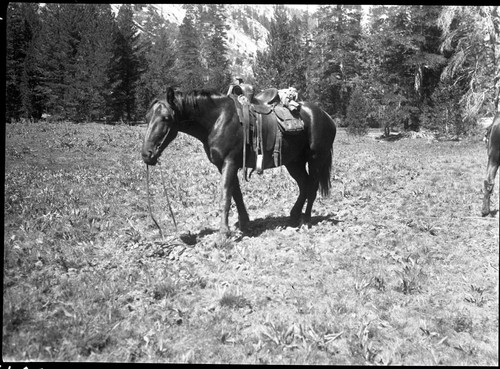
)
(170, 96)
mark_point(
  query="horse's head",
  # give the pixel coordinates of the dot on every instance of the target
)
(162, 118)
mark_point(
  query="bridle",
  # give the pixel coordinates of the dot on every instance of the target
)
(164, 188)
(168, 128)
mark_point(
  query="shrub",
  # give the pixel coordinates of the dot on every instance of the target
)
(445, 112)
(357, 114)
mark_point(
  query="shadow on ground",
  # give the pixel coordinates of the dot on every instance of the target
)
(258, 226)
(193, 238)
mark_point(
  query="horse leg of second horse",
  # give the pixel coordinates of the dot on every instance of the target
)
(488, 186)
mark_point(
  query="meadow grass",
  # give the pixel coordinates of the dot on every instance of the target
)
(397, 268)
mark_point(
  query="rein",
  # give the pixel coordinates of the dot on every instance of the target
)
(168, 201)
(149, 202)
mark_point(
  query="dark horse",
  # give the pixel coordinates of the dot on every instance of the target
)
(493, 145)
(212, 118)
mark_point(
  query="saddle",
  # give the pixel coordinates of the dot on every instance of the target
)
(266, 117)
(267, 97)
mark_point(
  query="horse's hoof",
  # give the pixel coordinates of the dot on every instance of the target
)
(491, 213)
(294, 222)
(306, 221)
(223, 241)
(188, 238)
(243, 225)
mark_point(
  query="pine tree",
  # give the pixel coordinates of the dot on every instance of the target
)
(399, 63)
(333, 66)
(124, 72)
(279, 66)
(70, 59)
(54, 54)
(22, 28)
(471, 39)
(219, 76)
(301, 49)
(93, 56)
(157, 52)
(357, 114)
(189, 68)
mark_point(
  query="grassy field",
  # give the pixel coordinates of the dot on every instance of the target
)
(398, 267)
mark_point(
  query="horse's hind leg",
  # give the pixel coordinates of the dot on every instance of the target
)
(319, 164)
(312, 190)
(298, 171)
(488, 186)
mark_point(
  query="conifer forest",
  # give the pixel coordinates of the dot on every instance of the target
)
(415, 67)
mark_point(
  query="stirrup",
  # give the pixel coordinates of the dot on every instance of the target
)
(258, 166)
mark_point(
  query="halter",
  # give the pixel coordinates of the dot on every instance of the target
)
(168, 129)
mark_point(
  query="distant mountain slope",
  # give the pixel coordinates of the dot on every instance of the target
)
(247, 34)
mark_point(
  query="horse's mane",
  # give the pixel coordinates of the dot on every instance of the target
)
(193, 99)
(188, 100)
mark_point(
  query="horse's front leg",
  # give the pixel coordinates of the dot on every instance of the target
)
(243, 218)
(227, 188)
(488, 186)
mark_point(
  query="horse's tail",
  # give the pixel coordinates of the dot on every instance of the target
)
(325, 170)
(324, 175)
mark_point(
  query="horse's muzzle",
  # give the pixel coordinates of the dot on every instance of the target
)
(149, 158)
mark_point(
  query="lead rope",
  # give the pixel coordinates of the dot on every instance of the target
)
(168, 199)
(149, 202)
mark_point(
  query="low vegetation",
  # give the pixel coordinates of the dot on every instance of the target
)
(398, 267)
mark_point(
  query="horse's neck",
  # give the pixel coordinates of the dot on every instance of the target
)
(194, 128)
(199, 123)
(196, 125)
